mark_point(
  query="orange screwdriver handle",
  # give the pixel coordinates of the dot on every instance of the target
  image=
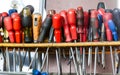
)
(36, 23)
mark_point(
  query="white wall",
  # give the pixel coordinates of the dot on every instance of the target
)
(5, 5)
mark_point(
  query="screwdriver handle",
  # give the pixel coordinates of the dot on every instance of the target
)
(11, 11)
(45, 28)
(11, 36)
(18, 36)
(17, 23)
(85, 28)
(51, 33)
(106, 18)
(101, 5)
(71, 15)
(94, 24)
(26, 17)
(8, 23)
(66, 26)
(113, 29)
(116, 18)
(57, 24)
(37, 22)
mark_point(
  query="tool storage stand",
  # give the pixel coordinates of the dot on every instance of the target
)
(42, 47)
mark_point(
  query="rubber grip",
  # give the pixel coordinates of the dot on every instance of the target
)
(45, 28)
(113, 29)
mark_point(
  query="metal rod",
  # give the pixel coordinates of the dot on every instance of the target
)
(95, 60)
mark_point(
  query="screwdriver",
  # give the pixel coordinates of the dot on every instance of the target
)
(17, 29)
(94, 24)
(57, 24)
(116, 18)
(26, 19)
(67, 35)
(36, 24)
(115, 37)
(106, 18)
(101, 12)
(85, 30)
(80, 25)
(71, 15)
(50, 39)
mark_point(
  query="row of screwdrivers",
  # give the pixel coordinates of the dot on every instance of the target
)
(68, 25)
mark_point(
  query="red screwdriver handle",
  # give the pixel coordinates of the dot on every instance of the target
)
(94, 24)
(17, 23)
(66, 27)
(71, 15)
(57, 23)
(80, 21)
(85, 28)
(18, 35)
(11, 36)
(106, 18)
(8, 23)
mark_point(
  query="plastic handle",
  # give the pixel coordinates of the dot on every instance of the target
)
(66, 26)
(116, 19)
(18, 36)
(11, 36)
(101, 11)
(8, 23)
(80, 17)
(17, 23)
(26, 17)
(71, 15)
(57, 23)
(37, 22)
(11, 11)
(51, 34)
(94, 24)
(106, 18)
(101, 5)
(113, 29)
(45, 28)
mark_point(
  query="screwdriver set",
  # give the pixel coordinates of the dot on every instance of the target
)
(26, 40)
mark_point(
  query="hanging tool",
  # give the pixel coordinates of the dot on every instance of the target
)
(71, 15)
(90, 38)
(36, 23)
(106, 18)
(85, 31)
(26, 19)
(50, 39)
(116, 18)
(68, 38)
(57, 24)
(80, 25)
(115, 38)
(9, 27)
(94, 24)
(101, 12)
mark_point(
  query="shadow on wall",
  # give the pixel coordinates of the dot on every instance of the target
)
(86, 4)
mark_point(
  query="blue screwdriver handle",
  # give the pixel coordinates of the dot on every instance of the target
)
(113, 30)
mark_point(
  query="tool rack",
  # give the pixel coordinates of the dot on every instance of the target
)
(52, 46)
